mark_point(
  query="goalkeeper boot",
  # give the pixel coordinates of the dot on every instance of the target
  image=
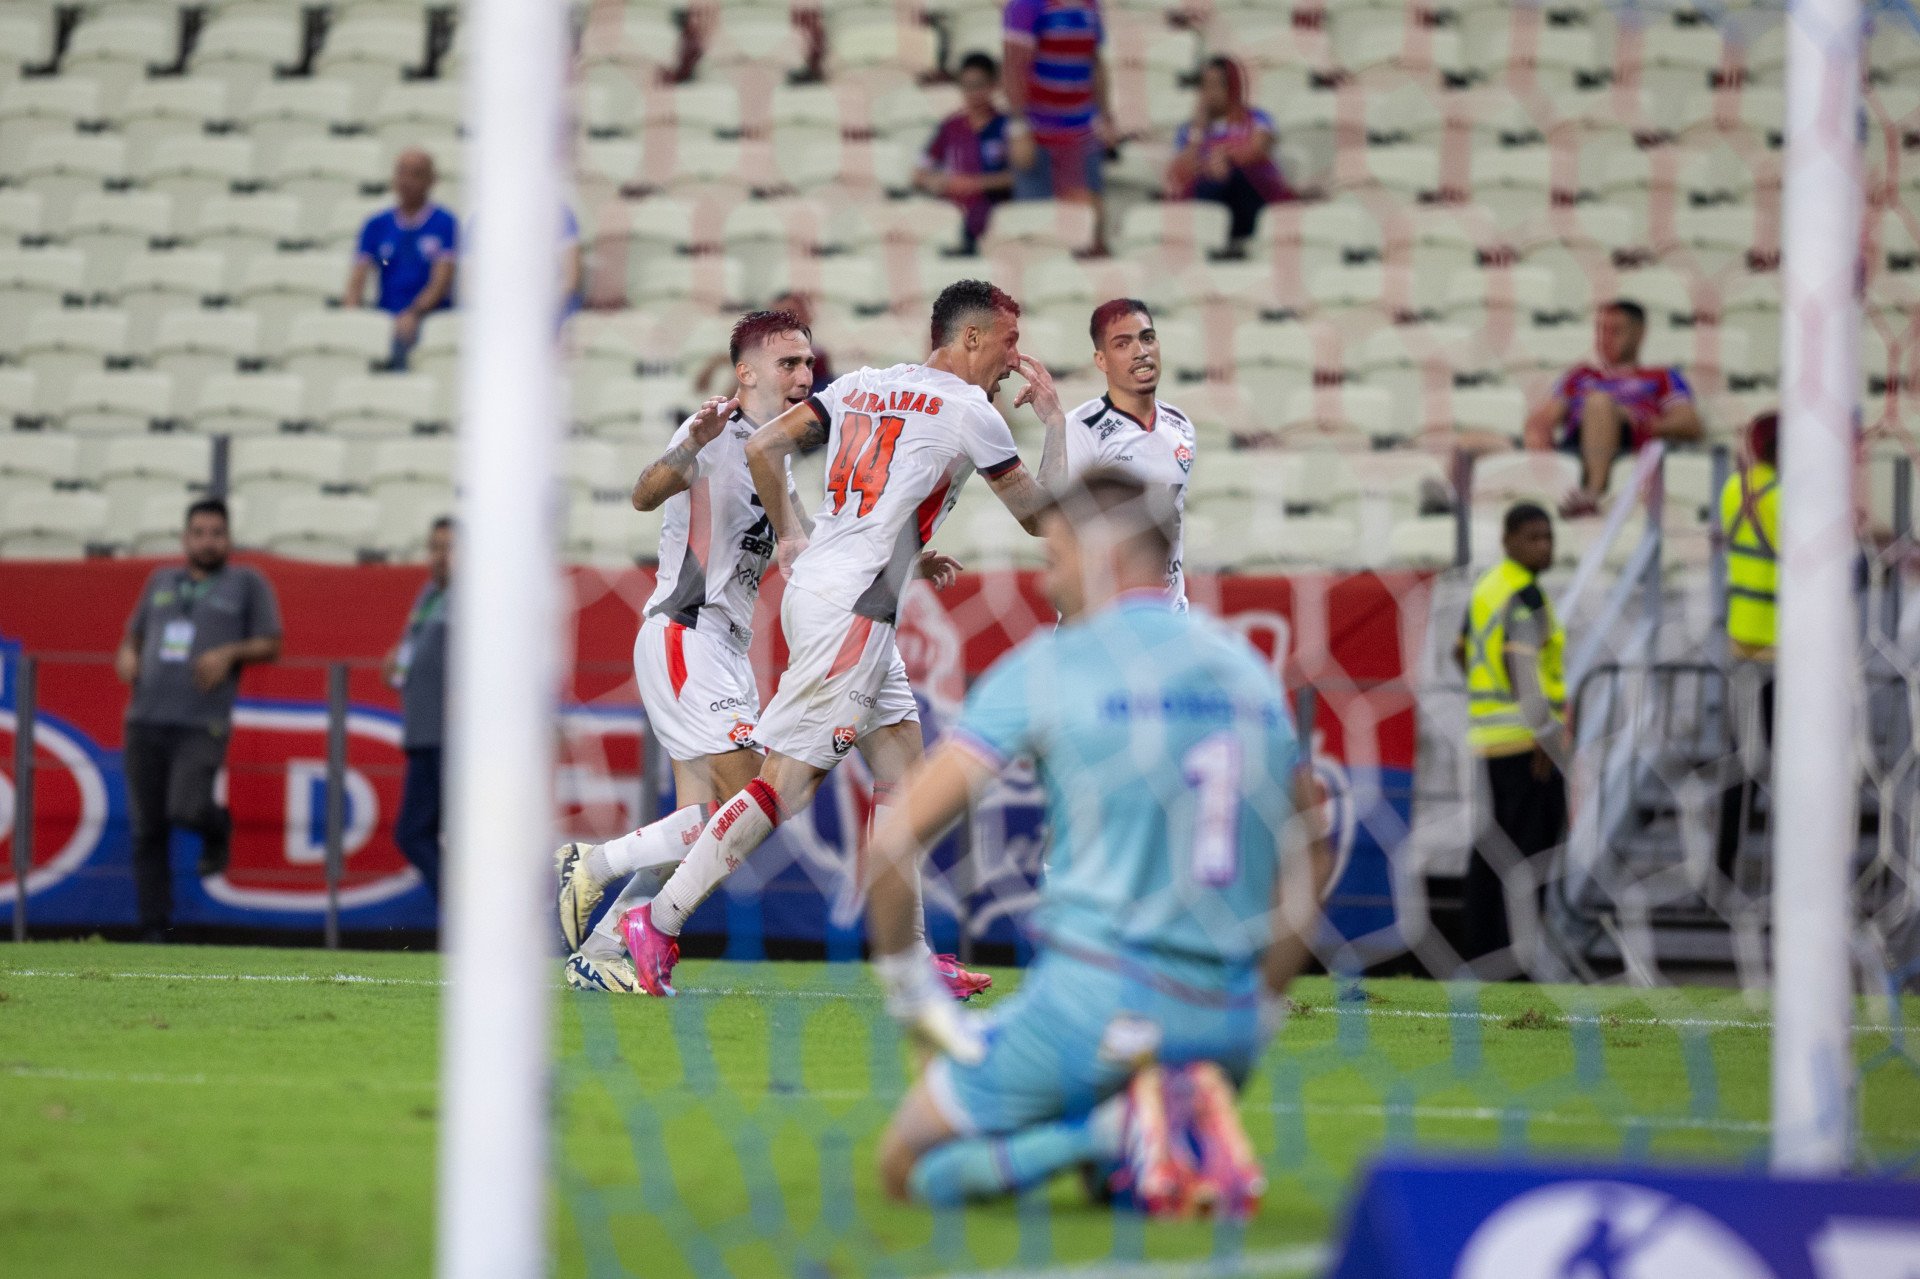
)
(578, 893)
(1231, 1180)
(608, 974)
(654, 953)
(963, 983)
(1157, 1175)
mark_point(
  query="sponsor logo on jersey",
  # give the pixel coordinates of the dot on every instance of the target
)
(728, 704)
(1107, 428)
(1184, 456)
(859, 698)
(843, 737)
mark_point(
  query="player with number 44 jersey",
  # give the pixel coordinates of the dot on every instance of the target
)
(901, 441)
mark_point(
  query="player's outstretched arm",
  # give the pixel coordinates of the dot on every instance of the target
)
(937, 794)
(794, 431)
(1306, 860)
(675, 470)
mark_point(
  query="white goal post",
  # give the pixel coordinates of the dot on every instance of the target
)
(1818, 673)
(496, 1039)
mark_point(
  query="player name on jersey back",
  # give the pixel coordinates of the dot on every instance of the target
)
(900, 442)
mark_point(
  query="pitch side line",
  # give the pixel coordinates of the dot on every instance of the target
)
(864, 996)
(1272, 1261)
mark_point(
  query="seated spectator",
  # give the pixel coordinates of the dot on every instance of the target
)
(1225, 153)
(1612, 409)
(966, 162)
(412, 247)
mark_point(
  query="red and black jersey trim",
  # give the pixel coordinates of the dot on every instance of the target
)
(819, 410)
(999, 469)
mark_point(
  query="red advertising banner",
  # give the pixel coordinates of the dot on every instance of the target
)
(1347, 637)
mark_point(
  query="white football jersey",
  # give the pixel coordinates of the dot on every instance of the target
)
(1153, 453)
(900, 442)
(715, 539)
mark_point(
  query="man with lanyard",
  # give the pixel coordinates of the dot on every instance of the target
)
(418, 668)
(1512, 649)
(194, 628)
(1750, 514)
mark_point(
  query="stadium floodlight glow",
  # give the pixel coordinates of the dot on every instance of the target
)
(495, 1040)
(1818, 670)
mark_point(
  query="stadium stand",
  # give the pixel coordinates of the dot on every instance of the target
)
(178, 199)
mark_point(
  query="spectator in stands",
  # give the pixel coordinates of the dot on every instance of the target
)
(1060, 123)
(1511, 647)
(196, 625)
(795, 304)
(966, 162)
(412, 247)
(1225, 153)
(417, 666)
(1750, 518)
(1613, 408)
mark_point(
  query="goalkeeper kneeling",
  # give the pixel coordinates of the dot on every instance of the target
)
(1183, 883)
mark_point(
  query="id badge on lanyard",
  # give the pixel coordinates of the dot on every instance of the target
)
(176, 640)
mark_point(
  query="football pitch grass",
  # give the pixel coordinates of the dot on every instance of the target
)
(226, 1111)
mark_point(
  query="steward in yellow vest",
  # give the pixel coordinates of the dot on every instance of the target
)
(1750, 514)
(1512, 649)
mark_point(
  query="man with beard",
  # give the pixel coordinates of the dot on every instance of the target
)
(194, 628)
(1128, 429)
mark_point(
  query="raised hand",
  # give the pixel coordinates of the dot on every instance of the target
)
(711, 420)
(1039, 390)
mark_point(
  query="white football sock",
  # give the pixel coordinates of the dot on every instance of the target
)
(605, 942)
(661, 843)
(742, 825)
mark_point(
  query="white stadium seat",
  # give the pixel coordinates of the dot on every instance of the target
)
(53, 524)
(380, 404)
(331, 527)
(117, 400)
(248, 403)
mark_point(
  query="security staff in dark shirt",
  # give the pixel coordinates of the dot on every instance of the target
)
(196, 625)
(417, 666)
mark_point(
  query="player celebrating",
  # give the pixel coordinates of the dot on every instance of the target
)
(902, 440)
(1128, 429)
(690, 657)
(1175, 909)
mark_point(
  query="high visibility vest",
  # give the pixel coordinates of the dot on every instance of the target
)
(1750, 513)
(1495, 725)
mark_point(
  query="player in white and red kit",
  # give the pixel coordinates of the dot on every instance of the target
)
(690, 658)
(902, 441)
(1129, 429)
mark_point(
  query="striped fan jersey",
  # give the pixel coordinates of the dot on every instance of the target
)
(1154, 453)
(715, 539)
(1065, 36)
(900, 443)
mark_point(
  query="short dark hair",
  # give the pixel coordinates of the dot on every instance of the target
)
(979, 60)
(208, 506)
(1763, 438)
(1521, 514)
(440, 522)
(1145, 516)
(1107, 312)
(962, 300)
(1629, 308)
(755, 327)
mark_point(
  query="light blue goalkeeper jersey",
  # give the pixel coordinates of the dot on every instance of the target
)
(1167, 753)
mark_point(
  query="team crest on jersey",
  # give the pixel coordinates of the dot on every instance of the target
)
(843, 739)
(1184, 456)
(741, 734)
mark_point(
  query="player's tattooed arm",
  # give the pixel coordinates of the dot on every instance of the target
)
(1021, 494)
(675, 470)
(1039, 392)
(768, 449)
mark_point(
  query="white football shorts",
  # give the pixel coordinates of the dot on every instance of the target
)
(698, 691)
(844, 678)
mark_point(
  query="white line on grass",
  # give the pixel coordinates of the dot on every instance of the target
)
(873, 996)
(62, 1074)
(1272, 1261)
